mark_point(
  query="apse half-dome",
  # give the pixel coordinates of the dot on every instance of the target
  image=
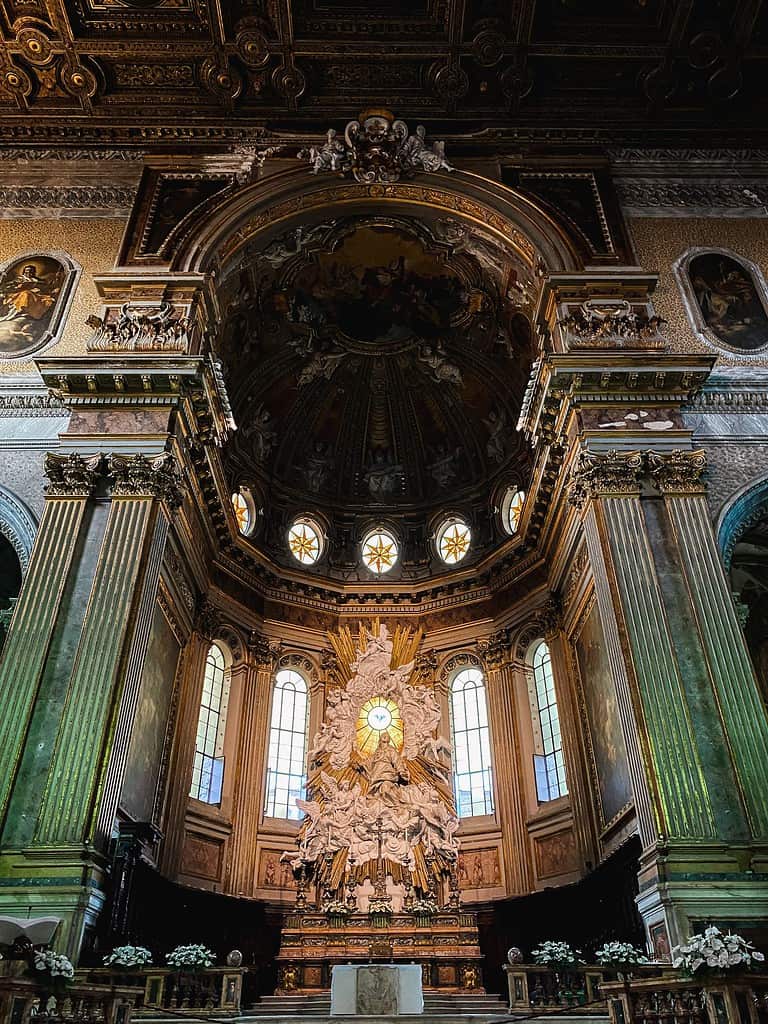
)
(376, 367)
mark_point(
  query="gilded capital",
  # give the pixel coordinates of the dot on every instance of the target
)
(678, 472)
(551, 617)
(426, 664)
(496, 650)
(606, 475)
(263, 651)
(138, 475)
(207, 619)
(71, 476)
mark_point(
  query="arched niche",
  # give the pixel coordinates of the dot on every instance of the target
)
(18, 525)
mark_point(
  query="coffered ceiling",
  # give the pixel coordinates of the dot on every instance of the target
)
(639, 72)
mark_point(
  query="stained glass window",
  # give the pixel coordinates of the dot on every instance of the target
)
(472, 773)
(305, 541)
(243, 514)
(453, 539)
(548, 759)
(377, 715)
(380, 551)
(208, 765)
(512, 510)
(287, 753)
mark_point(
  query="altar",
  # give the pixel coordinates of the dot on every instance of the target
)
(384, 990)
(376, 859)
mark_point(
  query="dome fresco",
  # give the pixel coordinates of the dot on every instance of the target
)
(376, 368)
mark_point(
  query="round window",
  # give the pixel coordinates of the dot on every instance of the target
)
(512, 509)
(380, 551)
(305, 541)
(453, 540)
(242, 505)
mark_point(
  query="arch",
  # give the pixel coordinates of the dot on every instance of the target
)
(18, 525)
(741, 512)
(225, 224)
(470, 742)
(287, 745)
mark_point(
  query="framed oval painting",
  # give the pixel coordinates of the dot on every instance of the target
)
(725, 298)
(35, 292)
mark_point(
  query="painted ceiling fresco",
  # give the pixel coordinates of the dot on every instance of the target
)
(376, 363)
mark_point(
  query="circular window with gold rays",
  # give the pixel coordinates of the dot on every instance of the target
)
(378, 715)
(380, 551)
(305, 541)
(453, 540)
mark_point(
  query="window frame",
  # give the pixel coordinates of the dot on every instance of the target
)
(275, 732)
(549, 772)
(488, 798)
(208, 763)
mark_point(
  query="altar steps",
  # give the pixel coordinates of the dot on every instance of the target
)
(435, 1004)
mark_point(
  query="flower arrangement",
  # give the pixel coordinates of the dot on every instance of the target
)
(336, 908)
(128, 956)
(57, 965)
(190, 958)
(424, 908)
(620, 954)
(715, 950)
(556, 954)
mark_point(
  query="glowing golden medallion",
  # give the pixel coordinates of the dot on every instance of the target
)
(378, 715)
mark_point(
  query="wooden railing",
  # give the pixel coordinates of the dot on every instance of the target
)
(702, 999)
(212, 990)
(25, 999)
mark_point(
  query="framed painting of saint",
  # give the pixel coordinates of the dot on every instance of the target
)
(726, 299)
(35, 293)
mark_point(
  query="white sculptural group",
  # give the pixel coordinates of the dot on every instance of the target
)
(385, 813)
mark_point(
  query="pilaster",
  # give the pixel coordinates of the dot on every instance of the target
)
(505, 729)
(252, 742)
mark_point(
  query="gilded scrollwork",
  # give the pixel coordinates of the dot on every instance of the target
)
(72, 476)
(678, 472)
(137, 475)
(608, 474)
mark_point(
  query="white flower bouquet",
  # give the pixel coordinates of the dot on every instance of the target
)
(715, 951)
(336, 908)
(128, 956)
(556, 954)
(620, 955)
(424, 908)
(55, 964)
(190, 958)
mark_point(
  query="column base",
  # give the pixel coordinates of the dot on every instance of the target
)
(686, 885)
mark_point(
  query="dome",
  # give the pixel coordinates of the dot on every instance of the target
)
(376, 367)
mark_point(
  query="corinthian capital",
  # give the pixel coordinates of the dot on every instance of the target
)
(155, 475)
(605, 474)
(496, 649)
(263, 651)
(71, 476)
(678, 472)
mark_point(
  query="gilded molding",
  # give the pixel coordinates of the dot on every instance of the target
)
(138, 475)
(613, 474)
(678, 472)
(67, 197)
(72, 476)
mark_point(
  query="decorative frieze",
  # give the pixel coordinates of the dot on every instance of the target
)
(72, 476)
(653, 194)
(66, 197)
(137, 475)
(140, 329)
(611, 323)
(678, 472)
(609, 474)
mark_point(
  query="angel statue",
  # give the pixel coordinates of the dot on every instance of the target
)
(329, 156)
(418, 156)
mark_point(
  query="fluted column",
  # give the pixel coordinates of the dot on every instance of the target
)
(678, 476)
(671, 795)
(252, 742)
(72, 480)
(505, 731)
(86, 772)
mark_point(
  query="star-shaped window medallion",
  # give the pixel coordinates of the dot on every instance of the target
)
(379, 551)
(453, 541)
(304, 542)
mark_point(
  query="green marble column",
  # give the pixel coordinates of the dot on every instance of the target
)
(678, 475)
(72, 480)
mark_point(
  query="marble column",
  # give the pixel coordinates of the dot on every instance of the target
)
(72, 480)
(77, 793)
(252, 743)
(505, 731)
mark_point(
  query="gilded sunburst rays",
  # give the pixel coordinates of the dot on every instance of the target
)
(378, 715)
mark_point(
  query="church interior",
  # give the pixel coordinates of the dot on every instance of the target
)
(383, 491)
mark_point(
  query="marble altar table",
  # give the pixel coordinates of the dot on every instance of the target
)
(382, 990)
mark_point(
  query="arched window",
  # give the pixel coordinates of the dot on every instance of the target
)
(472, 775)
(548, 745)
(208, 768)
(287, 755)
